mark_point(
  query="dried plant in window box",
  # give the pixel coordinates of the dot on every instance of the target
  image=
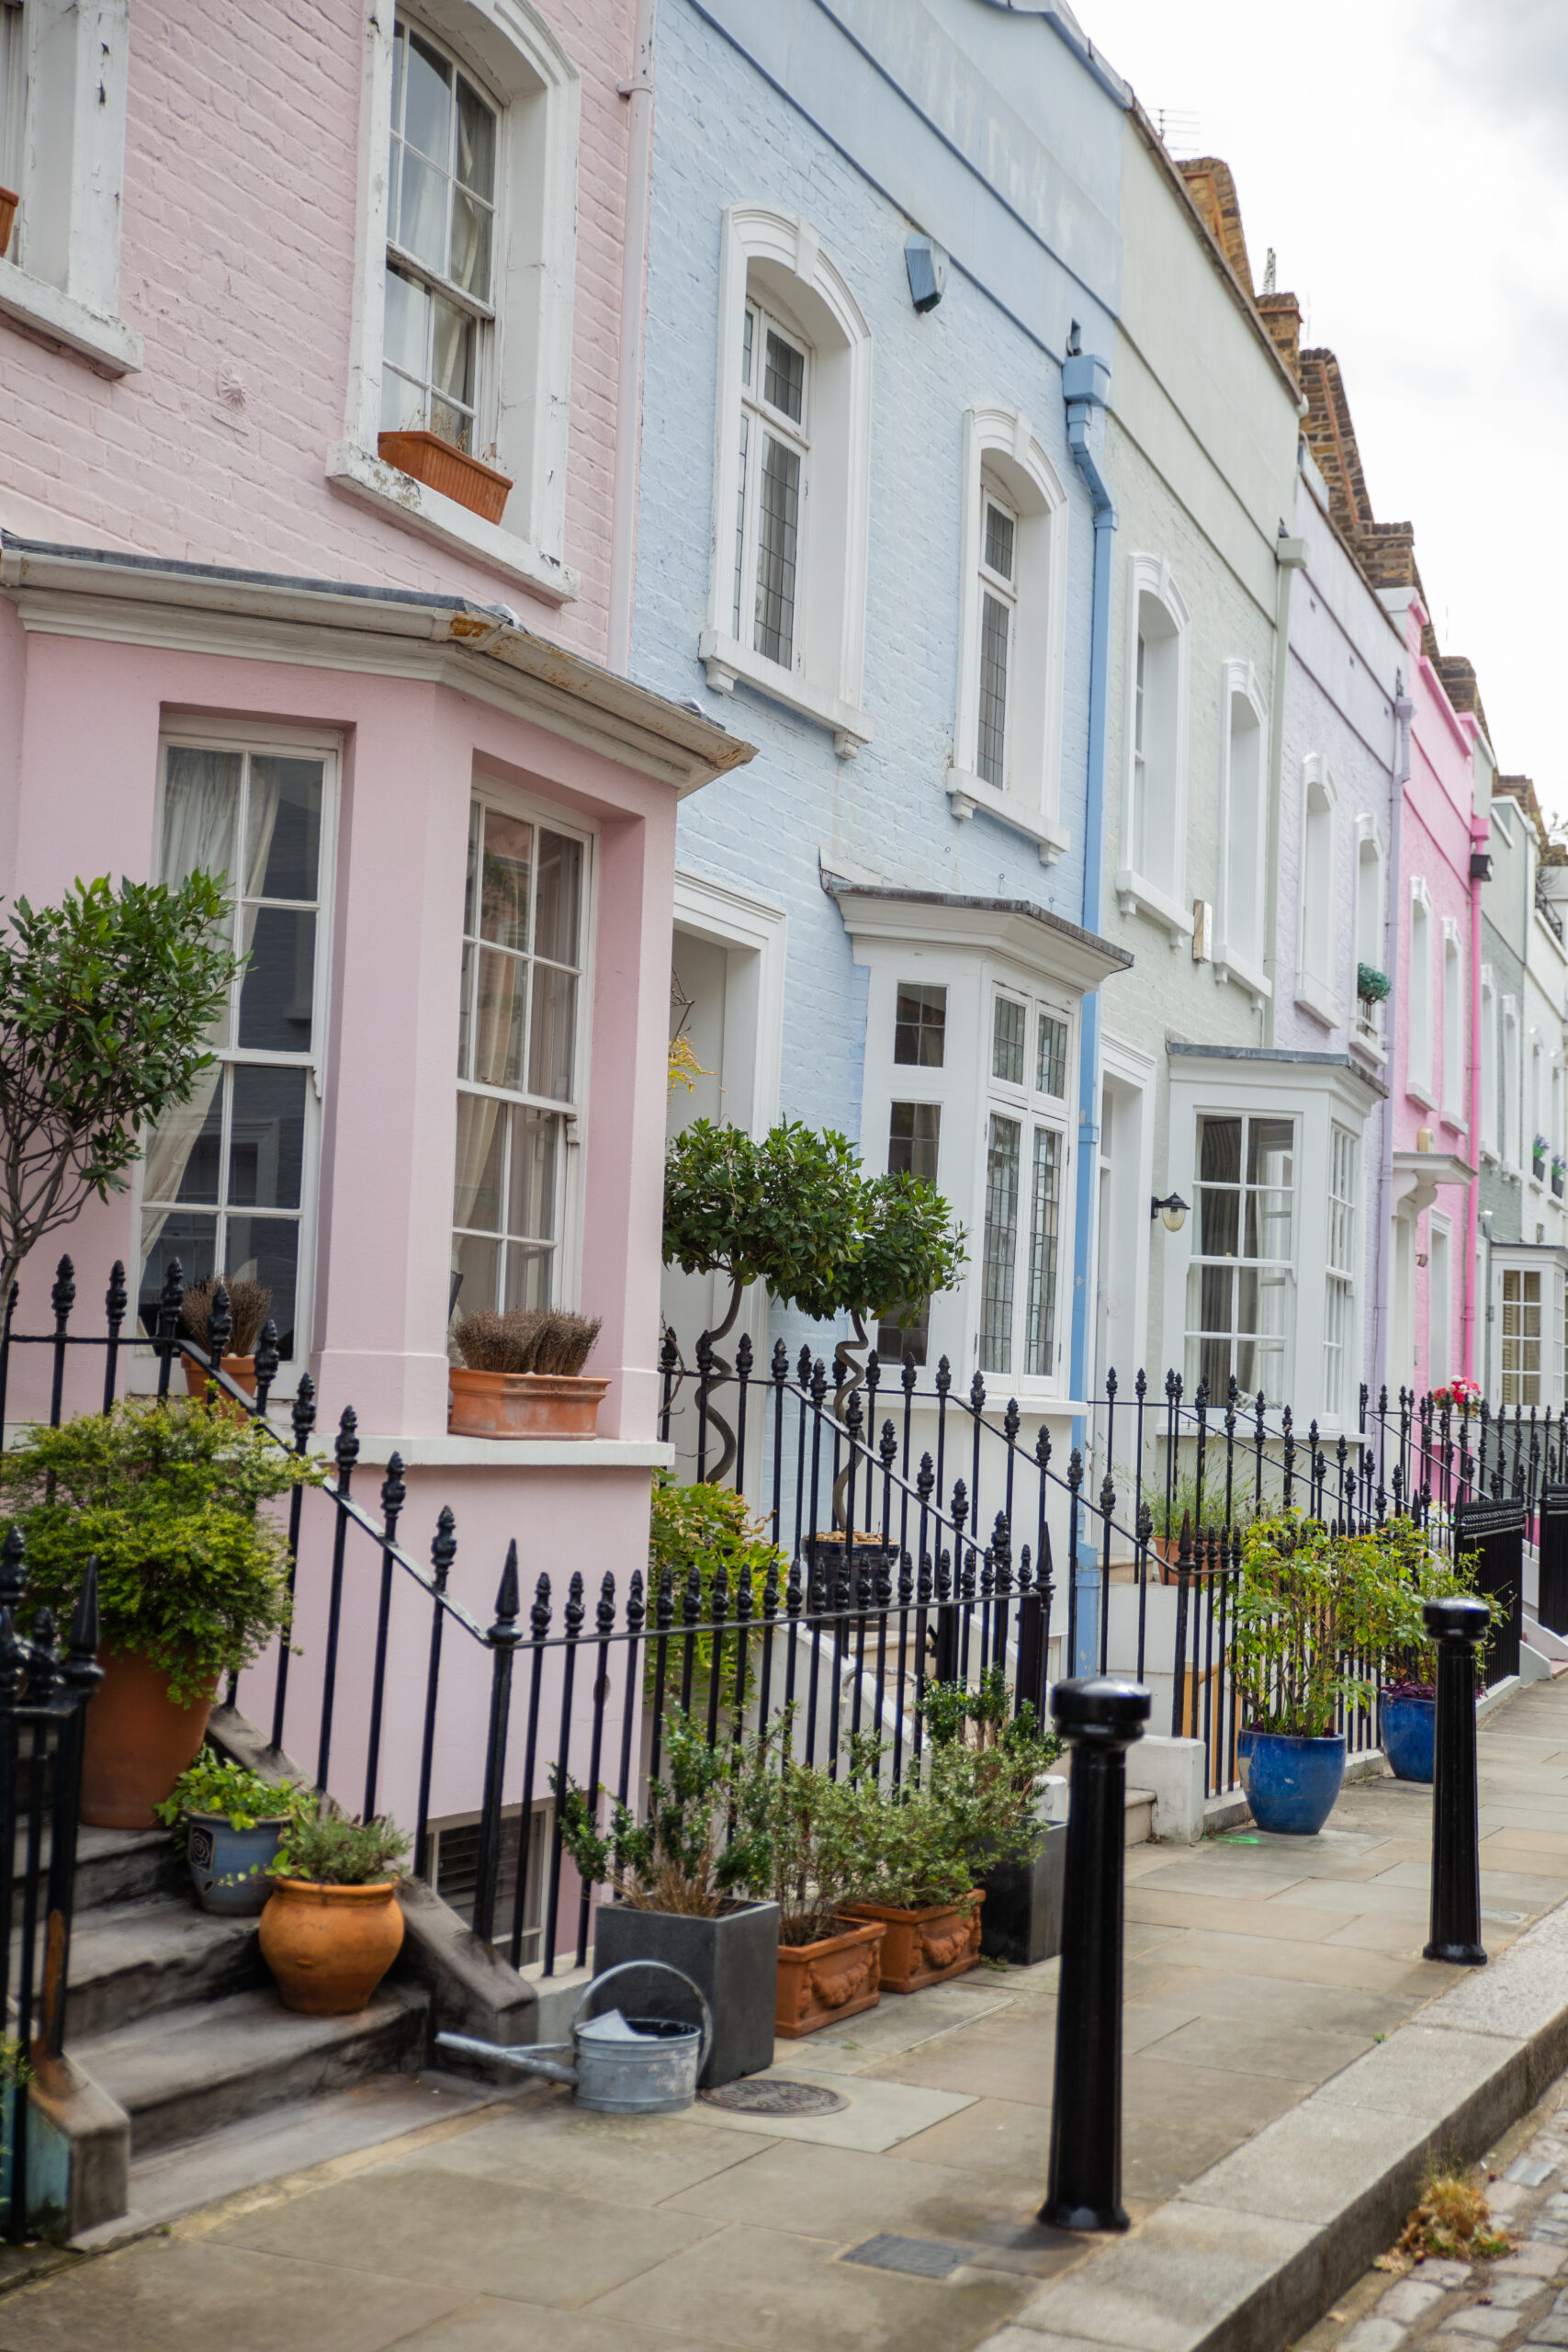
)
(522, 1375)
(250, 1304)
(440, 465)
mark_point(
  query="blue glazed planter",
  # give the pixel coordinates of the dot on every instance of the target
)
(1291, 1783)
(228, 1866)
(1409, 1736)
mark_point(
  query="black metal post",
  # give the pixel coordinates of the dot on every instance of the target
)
(1457, 1626)
(1099, 1720)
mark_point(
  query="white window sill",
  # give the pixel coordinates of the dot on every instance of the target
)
(728, 662)
(1321, 1003)
(1135, 895)
(34, 302)
(361, 475)
(1418, 1094)
(1369, 1045)
(1231, 968)
(968, 793)
(517, 1452)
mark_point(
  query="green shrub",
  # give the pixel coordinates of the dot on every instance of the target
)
(192, 1573)
(214, 1785)
(707, 1528)
(1309, 1601)
(705, 1835)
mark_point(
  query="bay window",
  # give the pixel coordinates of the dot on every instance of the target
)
(228, 1178)
(524, 929)
(1522, 1335)
(1239, 1283)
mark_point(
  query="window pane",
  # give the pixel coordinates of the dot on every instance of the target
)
(531, 1202)
(560, 898)
(265, 1250)
(777, 535)
(277, 992)
(998, 542)
(528, 1275)
(1051, 1062)
(1001, 1245)
(198, 1177)
(477, 1263)
(741, 500)
(551, 1051)
(284, 829)
(1045, 1229)
(920, 1025)
(452, 354)
(1008, 1022)
(747, 339)
(192, 1239)
(427, 120)
(1271, 1149)
(470, 246)
(202, 801)
(266, 1137)
(503, 1010)
(481, 1142)
(784, 378)
(990, 750)
(476, 142)
(406, 336)
(422, 213)
(896, 1340)
(1218, 1221)
(508, 872)
(403, 403)
(913, 1132)
(466, 1011)
(1219, 1155)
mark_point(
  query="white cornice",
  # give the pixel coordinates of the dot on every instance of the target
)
(1027, 936)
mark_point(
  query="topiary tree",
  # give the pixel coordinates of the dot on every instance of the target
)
(107, 1004)
(797, 1211)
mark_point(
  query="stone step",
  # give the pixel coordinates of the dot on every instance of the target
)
(184, 2072)
(132, 1960)
(1139, 1816)
(117, 1866)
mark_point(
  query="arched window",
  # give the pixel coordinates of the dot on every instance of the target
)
(786, 592)
(1152, 875)
(1008, 727)
(1419, 1074)
(1239, 950)
(1317, 977)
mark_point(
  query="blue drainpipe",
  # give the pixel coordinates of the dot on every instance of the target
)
(1086, 386)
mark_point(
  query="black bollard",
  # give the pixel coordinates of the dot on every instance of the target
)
(1457, 1626)
(1099, 1720)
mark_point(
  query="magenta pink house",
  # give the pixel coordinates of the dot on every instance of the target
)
(1434, 919)
(233, 633)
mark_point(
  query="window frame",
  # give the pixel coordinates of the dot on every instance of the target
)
(1285, 1268)
(507, 49)
(264, 740)
(1319, 974)
(774, 261)
(1341, 1282)
(1137, 891)
(490, 792)
(1242, 898)
(1456, 1028)
(1491, 1113)
(1370, 1030)
(760, 418)
(1421, 1021)
(1035, 1114)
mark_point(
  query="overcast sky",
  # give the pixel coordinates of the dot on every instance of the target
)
(1409, 165)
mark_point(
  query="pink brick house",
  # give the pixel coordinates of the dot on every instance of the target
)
(230, 633)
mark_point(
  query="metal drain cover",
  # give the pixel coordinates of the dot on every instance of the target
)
(754, 2096)
(921, 2257)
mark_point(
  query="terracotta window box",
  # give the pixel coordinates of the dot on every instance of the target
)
(524, 1404)
(923, 1948)
(450, 471)
(835, 1978)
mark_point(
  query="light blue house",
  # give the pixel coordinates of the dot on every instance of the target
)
(883, 256)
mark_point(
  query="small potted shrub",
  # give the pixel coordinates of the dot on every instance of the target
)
(1308, 1603)
(192, 1574)
(522, 1375)
(679, 1878)
(1539, 1149)
(249, 1306)
(442, 465)
(1022, 1918)
(1407, 1654)
(333, 1925)
(821, 1843)
(230, 1823)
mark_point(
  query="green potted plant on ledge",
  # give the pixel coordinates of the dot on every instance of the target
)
(192, 1574)
(522, 1375)
(681, 1878)
(332, 1926)
(1309, 1603)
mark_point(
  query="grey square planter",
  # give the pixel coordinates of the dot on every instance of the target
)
(1022, 1917)
(734, 1959)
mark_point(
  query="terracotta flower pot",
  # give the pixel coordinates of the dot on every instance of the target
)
(451, 472)
(524, 1404)
(329, 1947)
(137, 1742)
(242, 1371)
(9, 200)
(927, 1947)
(836, 1977)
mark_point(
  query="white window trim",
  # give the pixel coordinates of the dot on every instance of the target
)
(829, 691)
(62, 280)
(1455, 1066)
(1510, 1079)
(1240, 679)
(260, 739)
(522, 65)
(1032, 807)
(1140, 893)
(1316, 990)
(1420, 1083)
(1490, 1113)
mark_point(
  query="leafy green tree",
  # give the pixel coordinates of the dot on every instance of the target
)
(107, 1005)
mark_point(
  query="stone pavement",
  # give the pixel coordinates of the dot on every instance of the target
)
(1257, 1967)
